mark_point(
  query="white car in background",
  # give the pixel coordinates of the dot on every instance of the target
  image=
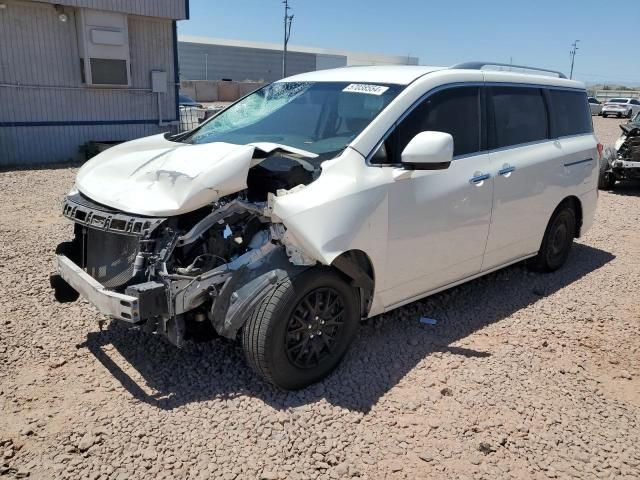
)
(621, 107)
(329, 197)
(595, 106)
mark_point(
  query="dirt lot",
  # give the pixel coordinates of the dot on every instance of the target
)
(524, 376)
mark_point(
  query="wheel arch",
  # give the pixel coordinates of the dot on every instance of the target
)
(356, 266)
(577, 207)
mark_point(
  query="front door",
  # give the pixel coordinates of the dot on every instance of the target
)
(438, 219)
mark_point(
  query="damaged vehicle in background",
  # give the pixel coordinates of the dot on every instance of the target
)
(622, 162)
(326, 198)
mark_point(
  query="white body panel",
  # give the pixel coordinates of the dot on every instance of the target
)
(421, 230)
(544, 173)
(157, 177)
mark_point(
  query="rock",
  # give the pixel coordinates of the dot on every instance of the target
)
(485, 448)
(625, 374)
(425, 457)
(342, 469)
(149, 453)
(394, 466)
(86, 442)
(446, 392)
(57, 363)
(269, 475)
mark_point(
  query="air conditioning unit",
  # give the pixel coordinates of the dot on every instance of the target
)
(103, 43)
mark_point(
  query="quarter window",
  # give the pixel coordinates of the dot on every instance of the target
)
(570, 113)
(519, 116)
(455, 111)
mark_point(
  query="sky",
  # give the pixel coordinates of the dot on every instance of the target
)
(537, 33)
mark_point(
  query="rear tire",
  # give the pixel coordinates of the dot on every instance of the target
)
(604, 115)
(557, 240)
(630, 114)
(299, 333)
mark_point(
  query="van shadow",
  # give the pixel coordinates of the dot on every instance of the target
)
(387, 348)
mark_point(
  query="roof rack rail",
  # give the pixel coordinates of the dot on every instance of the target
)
(480, 65)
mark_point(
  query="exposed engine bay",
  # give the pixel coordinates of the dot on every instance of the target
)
(623, 162)
(630, 147)
(210, 266)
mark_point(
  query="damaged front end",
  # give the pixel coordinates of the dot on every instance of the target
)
(624, 162)
(175, 275)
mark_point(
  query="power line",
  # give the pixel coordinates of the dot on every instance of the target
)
(573, 56)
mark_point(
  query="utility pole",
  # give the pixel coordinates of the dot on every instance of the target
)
(288, 19)
(573, 51)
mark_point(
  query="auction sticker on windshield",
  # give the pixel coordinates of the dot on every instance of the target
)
(365, 88)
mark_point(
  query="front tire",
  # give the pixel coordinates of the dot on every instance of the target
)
(557, 240)
(299, 333)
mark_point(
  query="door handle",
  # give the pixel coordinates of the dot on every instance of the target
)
(479, 178)
(506, 170)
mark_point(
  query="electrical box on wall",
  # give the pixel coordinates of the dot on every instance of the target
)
(158, 81)
(103, 43)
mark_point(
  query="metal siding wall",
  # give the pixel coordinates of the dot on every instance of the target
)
(239, 63)
(151, 48)
(40, 81)
(324, 61)
(41, 145)
(174, 9)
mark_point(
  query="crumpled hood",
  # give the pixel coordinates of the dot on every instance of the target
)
(157, 177)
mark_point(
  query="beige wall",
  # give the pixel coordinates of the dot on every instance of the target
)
(217, 91)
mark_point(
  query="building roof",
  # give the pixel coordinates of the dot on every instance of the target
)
(362, 56)
(174, 9)
(395, 74)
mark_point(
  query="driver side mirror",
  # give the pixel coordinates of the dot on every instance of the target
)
(428, 151)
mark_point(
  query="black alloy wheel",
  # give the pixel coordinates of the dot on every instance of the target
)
(313, 327)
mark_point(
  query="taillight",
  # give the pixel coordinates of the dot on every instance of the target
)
(600, 149)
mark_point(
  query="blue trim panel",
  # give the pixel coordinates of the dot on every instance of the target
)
(81, 123)
(176, 66)
(586, 160)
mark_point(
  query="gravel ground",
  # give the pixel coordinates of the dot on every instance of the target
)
(524, 375)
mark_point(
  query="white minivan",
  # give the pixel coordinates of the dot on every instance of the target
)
(329, 197)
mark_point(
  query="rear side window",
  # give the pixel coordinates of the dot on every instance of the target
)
(455, 111)
(519, 116)
(570, 113)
